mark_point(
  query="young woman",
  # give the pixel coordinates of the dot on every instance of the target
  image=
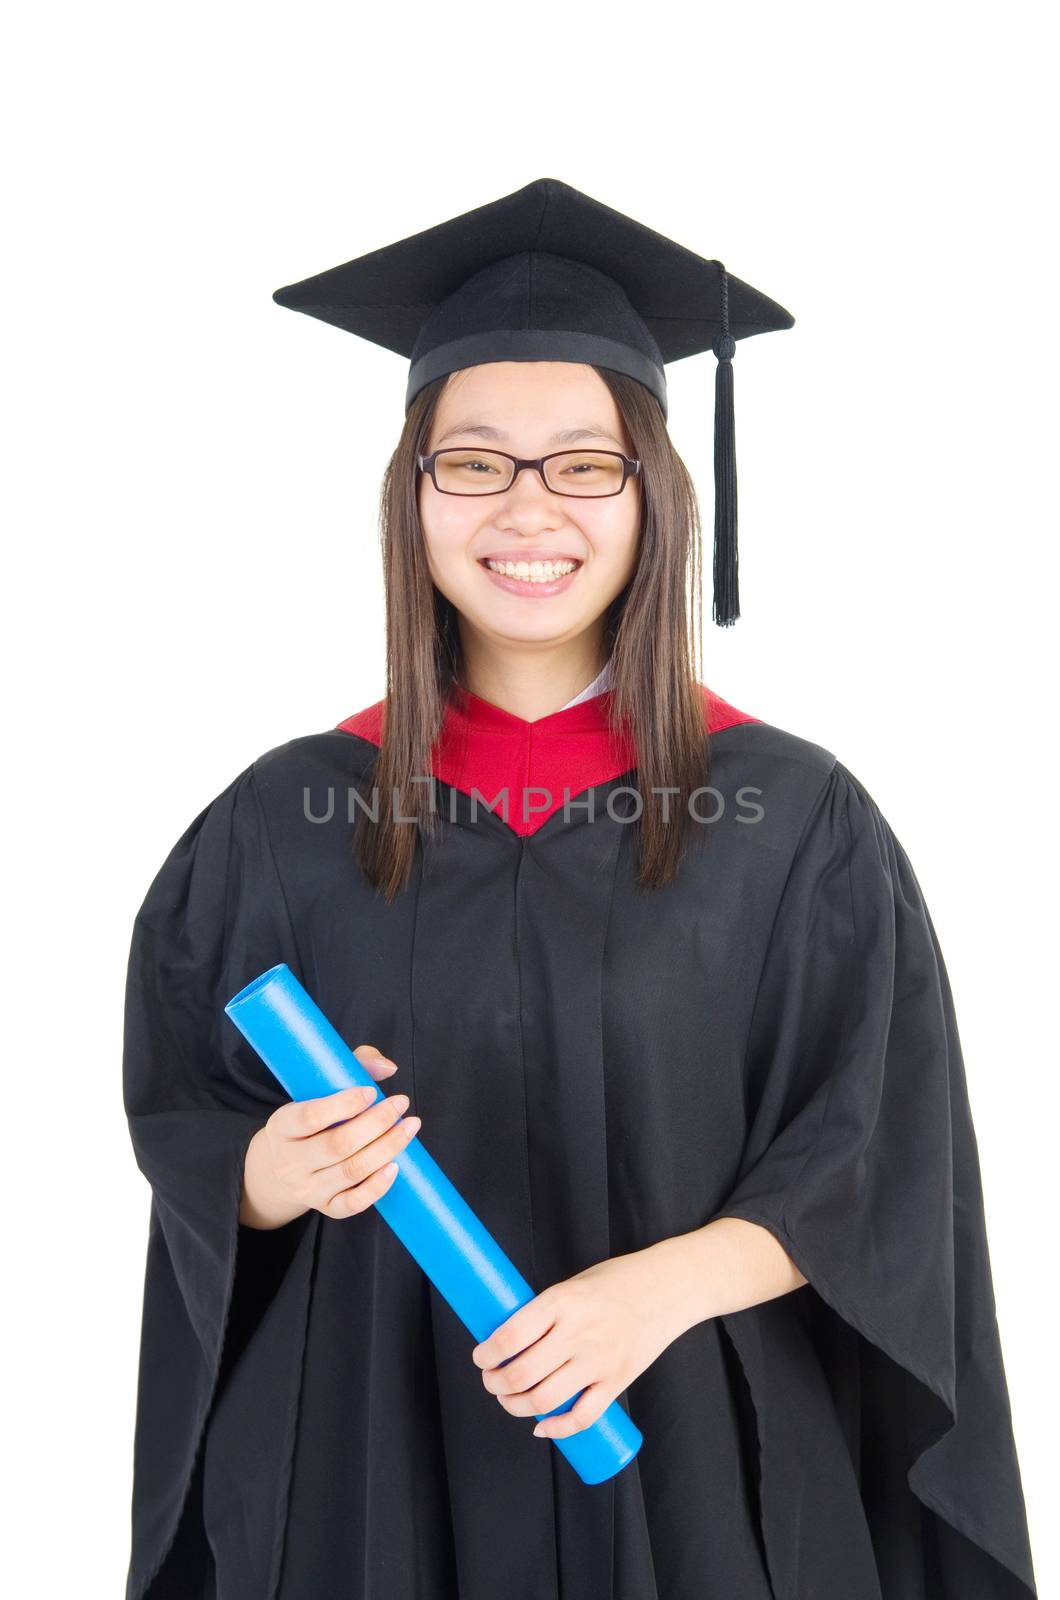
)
(659, 984)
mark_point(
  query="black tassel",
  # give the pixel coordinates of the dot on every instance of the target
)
(726, 560)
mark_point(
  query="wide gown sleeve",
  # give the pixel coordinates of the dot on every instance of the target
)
(194, 1093)
(862, 1161)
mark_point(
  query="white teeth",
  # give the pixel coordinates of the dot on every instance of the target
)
(533, 571)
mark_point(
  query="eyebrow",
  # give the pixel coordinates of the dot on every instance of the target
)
(565, 435)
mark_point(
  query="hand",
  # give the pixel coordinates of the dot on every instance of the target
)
(328, 1154)
(594, 1332)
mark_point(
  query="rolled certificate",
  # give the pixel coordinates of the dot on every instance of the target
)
(435, 1224)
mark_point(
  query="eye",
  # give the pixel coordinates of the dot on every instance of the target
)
(460, 462)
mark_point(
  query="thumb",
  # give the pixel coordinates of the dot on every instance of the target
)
(374, 1061)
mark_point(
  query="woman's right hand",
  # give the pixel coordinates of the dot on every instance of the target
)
(329, 1154)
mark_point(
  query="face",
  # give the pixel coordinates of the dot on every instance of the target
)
(527, 405)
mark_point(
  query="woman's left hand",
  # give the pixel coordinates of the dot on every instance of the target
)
(594, 1332)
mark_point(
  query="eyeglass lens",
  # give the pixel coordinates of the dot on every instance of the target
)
(579, 472)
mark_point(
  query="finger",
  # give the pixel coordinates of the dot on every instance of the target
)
(526, 1373)
(522, 1329)
(332, 1146)
(301, 1119)
(358, 1167)
(374, 1061)
(350, 1202)
(554, 1389)
(587, 1409)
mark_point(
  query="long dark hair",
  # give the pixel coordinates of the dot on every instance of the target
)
(648, 632)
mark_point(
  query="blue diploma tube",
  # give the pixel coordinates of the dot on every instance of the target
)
(468, 1268)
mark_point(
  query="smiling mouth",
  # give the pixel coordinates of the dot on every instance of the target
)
(543, 572)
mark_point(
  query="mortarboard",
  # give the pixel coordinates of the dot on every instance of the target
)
(550, 274)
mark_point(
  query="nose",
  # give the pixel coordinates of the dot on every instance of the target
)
(529, 489)
(528, 506)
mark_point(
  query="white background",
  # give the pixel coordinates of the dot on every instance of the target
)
(192, 562)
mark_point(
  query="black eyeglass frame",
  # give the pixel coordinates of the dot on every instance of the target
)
(630, 469)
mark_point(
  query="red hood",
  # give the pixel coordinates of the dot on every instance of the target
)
(483, 747)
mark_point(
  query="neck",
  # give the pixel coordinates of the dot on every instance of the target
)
(533, 684)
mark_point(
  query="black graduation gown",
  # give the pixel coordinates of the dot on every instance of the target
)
(769, 1037)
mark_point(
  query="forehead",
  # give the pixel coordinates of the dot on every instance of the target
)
(512, 382)
(523, 395)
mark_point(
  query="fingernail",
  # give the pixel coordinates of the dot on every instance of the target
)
(539, 1432)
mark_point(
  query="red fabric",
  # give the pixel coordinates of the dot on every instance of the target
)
(483, 747)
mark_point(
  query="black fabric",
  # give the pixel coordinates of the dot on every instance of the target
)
(547, 258)
(771, 1037)
(195, 1095)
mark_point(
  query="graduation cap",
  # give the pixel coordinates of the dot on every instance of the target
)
(550, 274)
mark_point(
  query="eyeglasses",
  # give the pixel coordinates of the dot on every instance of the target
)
(586, 474)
